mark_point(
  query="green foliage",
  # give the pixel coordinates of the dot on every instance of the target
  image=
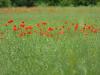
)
(40, 3)
(5, 3)
(98, 4)
(52, 2)
(66, 2)
(23, 2)
(28, 3)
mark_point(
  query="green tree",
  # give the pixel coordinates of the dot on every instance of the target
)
(66, 2)
(52, 2)
(27, 3)
(5, 3)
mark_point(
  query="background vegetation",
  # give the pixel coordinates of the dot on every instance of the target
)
(29, 3)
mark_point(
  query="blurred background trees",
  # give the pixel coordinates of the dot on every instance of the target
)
(29, 3)
(5, 3)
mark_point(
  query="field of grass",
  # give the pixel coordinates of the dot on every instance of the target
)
(50, 41)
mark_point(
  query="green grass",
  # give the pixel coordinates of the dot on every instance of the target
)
(73, 54)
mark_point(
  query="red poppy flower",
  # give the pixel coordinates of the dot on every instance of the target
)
(44, 23)
(10, 21)
(22, 25)
(28, 27)
(14, 28)
(61, 32)
(29, 32)
(76, 27)
(38, 25)
(50, 29)
(89, 27)
(94, 30)
(21, 34)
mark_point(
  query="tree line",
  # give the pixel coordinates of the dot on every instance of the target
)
(29, 3)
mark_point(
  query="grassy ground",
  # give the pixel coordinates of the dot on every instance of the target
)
(69, 53)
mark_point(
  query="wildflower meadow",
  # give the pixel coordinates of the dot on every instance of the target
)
(50, 41)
